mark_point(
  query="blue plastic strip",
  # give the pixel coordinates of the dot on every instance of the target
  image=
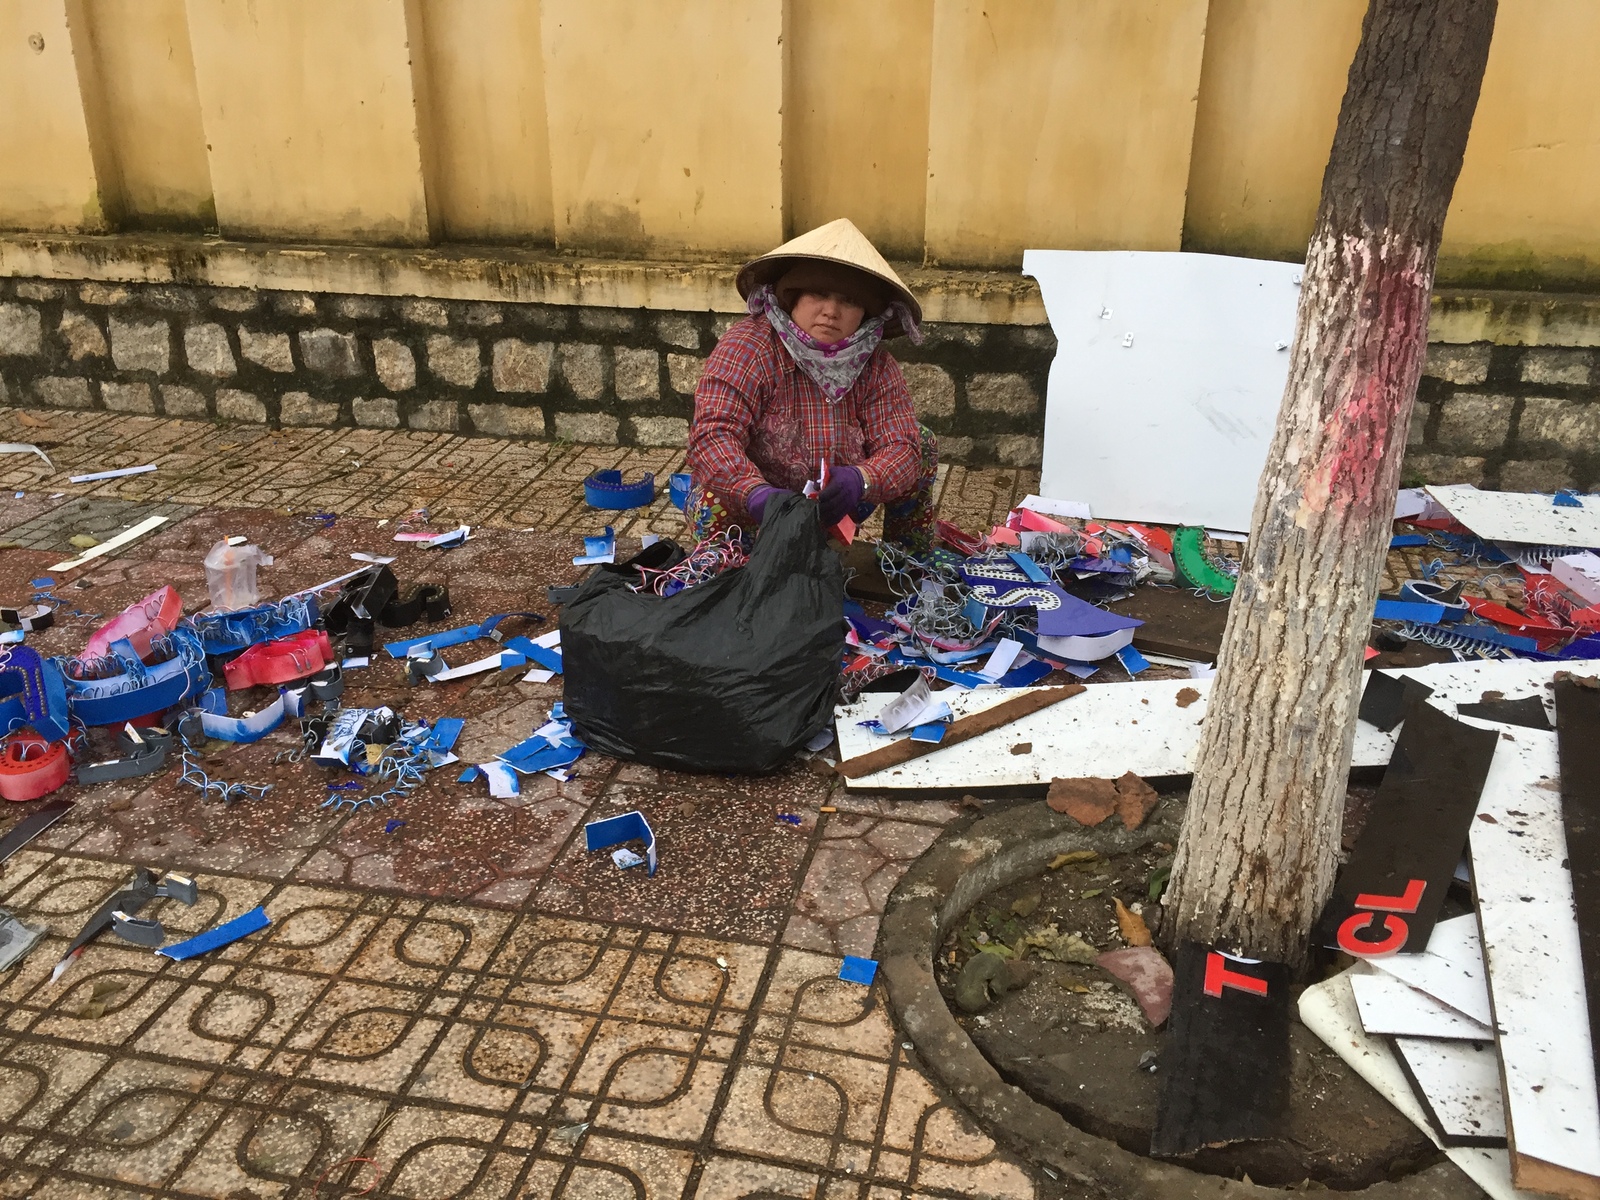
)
(933, 731)
(1027, 674)
(218, 936)
(438, 641)
(678, 485)
(1405, 610)
(1132, 661)
(605, 489)
(538, 754)
(445, 732)
(244, 729)
(469, 775)
(550, 660)
(858, 970)
(614, 831)
(1034, 572)
(1408, 539)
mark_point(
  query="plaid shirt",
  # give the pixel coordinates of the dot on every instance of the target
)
(758, 418)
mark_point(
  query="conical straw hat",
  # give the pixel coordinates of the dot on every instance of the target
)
(836, 242)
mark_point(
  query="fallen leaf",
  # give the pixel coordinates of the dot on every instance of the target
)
(1187, 696)
(1024, 906)
(33, 422)
(686, 808)
(1073, 856)
(82, 541)
(1092, 893)
(1022, 748)
(1134, 931)
(1488, 818)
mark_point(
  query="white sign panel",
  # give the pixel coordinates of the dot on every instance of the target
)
(1167, 379)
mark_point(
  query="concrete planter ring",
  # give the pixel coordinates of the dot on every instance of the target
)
(931, 899)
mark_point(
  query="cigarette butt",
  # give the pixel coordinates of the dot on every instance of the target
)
(827, 808)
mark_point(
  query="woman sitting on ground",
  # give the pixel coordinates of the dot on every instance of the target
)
(805, 380)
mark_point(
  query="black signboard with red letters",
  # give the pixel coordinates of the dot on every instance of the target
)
(1388, 895)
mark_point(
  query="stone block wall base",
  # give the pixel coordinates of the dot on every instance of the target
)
(501, 369)
(1517, 416)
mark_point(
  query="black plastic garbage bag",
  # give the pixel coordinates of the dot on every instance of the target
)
(733, 675)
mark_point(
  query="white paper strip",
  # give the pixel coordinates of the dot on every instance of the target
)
(1391, 1007)
(1461, 1083)
(1530, 941)
(477, 667)
(1056, 508)
(26, 448)
(97, 476)
(116, 543)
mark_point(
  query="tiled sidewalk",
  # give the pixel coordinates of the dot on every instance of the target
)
(470, 1002)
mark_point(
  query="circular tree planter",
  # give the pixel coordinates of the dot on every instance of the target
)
(932, 897)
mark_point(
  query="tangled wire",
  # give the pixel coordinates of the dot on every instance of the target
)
(718, 553)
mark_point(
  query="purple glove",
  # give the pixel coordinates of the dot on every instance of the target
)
(761, 497)
(842, 496)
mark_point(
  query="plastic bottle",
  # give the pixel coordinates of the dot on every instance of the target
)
(231, 574)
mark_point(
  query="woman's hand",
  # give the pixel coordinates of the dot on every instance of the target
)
(842, 496)
(761, 497)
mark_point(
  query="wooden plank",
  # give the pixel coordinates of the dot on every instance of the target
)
(1387, 897)
(1225, 1064)
(1459, 1084)
(1530, 942)
(1388, 1006)
(1578, 736)
(960, 731)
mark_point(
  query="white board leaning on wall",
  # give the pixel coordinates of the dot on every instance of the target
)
(1167, 379)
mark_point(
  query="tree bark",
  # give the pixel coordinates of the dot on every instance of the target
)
(1258, 852)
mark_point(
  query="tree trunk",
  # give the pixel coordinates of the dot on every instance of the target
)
(1259, 847)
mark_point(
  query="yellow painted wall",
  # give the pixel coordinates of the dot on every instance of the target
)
(960, 132)
(1060, 125)
(665, 124)
(855, 132)
(1270, 86)
(47, 173)
(1527, 205)
(309, 116)
(151, 111)
(486, 77)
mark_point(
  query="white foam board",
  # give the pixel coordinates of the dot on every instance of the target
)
(1525, 517)
(1117, 727)
(1328, 1009)
(1530, 942)
(1579, 573)
(1460, 1082)
(1389, 1006)
(1450, 969)
(1168, 375)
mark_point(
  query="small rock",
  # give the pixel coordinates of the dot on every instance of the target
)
(1145, 975)
(988, 972)
(1086, 801)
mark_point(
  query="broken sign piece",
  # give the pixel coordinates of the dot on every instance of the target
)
(97, 476)
(615, 831)
(1225, 1066)
(1135, 800)
(17, 937)
(218, 936)
(858, 970)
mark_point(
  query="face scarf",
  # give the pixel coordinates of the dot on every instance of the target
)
(835, 366)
